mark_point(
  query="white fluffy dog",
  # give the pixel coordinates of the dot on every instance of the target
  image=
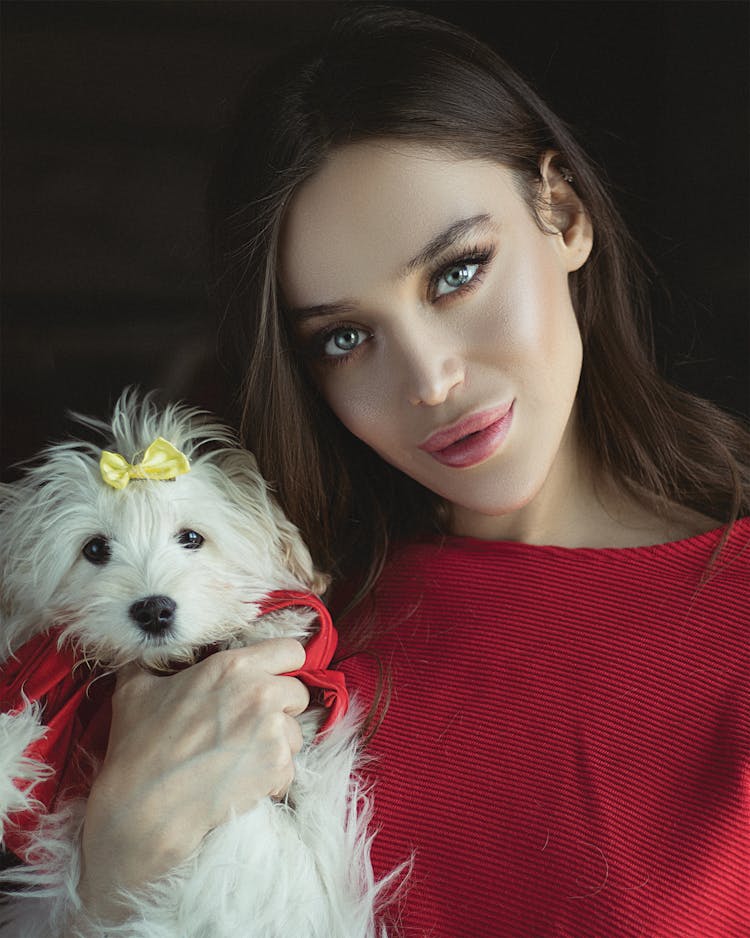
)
(152, 572)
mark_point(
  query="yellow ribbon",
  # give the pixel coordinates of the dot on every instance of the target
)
(160, 461)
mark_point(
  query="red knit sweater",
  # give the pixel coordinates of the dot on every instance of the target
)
(567, 744)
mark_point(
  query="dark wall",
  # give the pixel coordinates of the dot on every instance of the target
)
(109, 118)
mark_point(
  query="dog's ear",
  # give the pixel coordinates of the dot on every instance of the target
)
(250, 492)
(6, 496)
(296, 555)
(27, 571)
(14, 569)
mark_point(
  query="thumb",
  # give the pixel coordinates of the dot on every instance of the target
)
(130, 673)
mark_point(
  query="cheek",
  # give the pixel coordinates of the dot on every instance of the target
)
(528, 325)
(360, 398)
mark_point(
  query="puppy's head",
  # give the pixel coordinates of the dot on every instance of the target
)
(157, 569)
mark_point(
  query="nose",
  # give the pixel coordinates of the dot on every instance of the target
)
(154, 614)
(432, 374)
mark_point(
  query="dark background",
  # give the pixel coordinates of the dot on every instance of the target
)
(110, 112)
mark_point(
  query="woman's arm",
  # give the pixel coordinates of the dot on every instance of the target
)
(184, 752)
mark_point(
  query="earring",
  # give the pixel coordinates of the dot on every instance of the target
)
(566, 174)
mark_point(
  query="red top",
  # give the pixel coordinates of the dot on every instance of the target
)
(567, 742)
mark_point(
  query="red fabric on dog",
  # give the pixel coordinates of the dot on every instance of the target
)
(318, 653)
(77, 713)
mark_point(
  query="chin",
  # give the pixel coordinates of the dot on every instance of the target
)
(162, 573)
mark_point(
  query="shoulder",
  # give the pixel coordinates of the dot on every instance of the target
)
(680, 525)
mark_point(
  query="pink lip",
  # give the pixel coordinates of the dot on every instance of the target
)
(472, 440)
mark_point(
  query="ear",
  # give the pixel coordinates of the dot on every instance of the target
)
(563, 210)
(251, 493)
(296, 554)
(32, 561)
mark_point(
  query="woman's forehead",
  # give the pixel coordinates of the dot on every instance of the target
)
(373, 207)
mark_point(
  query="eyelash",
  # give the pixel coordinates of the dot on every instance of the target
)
(477, 255)
(481, 256)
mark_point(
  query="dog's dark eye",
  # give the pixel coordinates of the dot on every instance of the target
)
(97, 550)
(191, 540)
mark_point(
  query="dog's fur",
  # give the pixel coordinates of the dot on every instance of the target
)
(299, 868)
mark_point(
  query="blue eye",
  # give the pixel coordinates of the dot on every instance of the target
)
(456, 277)
(343, 340)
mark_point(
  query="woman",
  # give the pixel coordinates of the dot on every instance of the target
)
(448, 379)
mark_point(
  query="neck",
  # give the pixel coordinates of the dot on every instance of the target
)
(577, 507)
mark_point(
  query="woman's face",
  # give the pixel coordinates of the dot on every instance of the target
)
(437, 319)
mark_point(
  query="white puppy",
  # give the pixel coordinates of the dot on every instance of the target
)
(153, 571)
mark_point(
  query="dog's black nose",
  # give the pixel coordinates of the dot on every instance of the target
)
(154, 613)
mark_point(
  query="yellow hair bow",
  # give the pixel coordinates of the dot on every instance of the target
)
(160, 461)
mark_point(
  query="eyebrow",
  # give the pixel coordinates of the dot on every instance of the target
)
(430, 252)
(444, 240)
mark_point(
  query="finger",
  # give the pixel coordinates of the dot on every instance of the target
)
(295, 694)
(280, 790)
(294, 735)
(130, 673)
(272, 655)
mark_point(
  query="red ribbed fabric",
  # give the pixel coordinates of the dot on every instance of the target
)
(567, 744)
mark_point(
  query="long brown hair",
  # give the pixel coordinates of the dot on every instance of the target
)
(390, 72)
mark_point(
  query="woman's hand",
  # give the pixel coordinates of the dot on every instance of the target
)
(184, 751)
